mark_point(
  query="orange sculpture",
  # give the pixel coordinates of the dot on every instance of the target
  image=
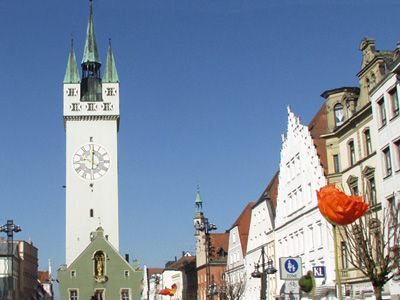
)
(338, 208)
(168, 292)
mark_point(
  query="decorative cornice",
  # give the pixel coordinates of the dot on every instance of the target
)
(91, 118)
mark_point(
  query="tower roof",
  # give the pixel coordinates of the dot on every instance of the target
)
(110, 71)
(199, 203)
(90, 52)
(72, 74)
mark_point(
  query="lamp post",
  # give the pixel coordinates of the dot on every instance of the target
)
(206, 227)
(10, 228)
(266, 270)
(212, 290)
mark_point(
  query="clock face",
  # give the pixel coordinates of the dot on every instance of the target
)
(91, 162)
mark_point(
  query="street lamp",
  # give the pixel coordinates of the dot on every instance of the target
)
(206, 227)
(212, 291)
(10, 228)
(266, 270)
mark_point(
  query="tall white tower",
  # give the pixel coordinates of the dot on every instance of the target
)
(91, 118)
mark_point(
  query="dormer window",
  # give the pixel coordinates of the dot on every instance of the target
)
(339, 115)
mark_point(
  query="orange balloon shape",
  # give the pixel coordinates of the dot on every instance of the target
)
(338, 208)
(167, 291)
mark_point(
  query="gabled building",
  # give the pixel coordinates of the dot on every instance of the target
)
(261, 236)
(46, 283)
(300, 229)
(152, 283)
(183, 273)
(235, 276)
(100, 272)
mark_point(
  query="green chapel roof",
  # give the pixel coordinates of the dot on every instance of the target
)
(110, 71)
(72, 74)
(90, 52)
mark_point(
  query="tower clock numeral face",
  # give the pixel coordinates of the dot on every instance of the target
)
(91, 162)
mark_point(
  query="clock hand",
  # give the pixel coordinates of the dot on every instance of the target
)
(92, 156)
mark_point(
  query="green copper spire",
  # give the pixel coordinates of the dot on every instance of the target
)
(199, 203)
(110, 72)
(72, 74)
(90, 53)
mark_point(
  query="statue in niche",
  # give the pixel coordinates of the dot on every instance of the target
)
(99, 265)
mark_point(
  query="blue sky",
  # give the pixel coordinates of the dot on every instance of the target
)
(204, 90)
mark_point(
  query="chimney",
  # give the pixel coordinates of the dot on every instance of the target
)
(127, 257)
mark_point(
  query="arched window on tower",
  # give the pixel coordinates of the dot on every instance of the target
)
(339, 114)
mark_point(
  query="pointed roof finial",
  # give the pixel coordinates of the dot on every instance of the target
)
(90, 52)
(198, 202)
(72, 74)
(110, 71)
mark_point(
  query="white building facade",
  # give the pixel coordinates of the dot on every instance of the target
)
(261, 234)
(235, 266)
(385, 109)
(300, 229)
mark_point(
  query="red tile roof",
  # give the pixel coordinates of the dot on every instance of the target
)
(153, 271)
(218, 241)
(43, 276)
(243, 224)
(271, 192)
(183, 261)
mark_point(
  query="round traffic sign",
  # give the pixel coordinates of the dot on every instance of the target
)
(291, 265)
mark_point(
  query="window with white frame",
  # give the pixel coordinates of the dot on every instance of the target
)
(73, 294)
(382, 112)
(336, 163)
(367, 142)
(397, 154)
(343, 252)
(352, 182)
(372, 187)
(352, 152)
(394, 102)
(387, 162)
(125, 294)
